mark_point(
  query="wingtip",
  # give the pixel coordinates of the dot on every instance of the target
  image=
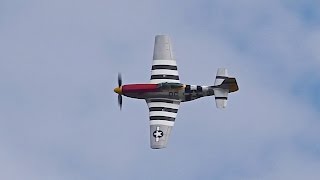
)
(162, 35)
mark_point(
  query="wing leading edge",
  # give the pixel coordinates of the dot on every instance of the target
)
(162, 113)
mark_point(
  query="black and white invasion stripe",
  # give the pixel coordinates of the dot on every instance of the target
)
(163, 111)
(164, 71)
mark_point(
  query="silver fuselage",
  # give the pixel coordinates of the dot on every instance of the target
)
(183, 94)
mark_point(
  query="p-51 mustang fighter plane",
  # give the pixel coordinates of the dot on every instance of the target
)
(164, 92)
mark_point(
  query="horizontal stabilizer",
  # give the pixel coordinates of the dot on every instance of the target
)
(221, 93)
(222, 74)
(221, 97)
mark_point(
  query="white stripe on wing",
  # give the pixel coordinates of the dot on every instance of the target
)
(163, 113)
(164, 71)
(164, 62)
(162, 104)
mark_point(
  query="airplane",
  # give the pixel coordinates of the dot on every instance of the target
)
(164, 92)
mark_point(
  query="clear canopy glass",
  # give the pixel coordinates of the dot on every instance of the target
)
(169, 85)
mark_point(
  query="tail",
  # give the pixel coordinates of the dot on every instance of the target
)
(223, 85)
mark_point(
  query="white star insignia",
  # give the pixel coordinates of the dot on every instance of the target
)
(157, 134)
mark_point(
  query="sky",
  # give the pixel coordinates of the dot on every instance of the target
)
(59, 117)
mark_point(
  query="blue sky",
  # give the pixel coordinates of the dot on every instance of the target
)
(59, 117)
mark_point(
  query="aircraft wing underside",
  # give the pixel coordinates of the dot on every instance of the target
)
(162, 115)
(164, 66)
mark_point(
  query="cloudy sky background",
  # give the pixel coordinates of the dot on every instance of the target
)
(59, 117)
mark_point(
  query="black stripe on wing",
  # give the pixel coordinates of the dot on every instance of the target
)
(162, 118)
(168, 67)
(163, 109)
(164, 76)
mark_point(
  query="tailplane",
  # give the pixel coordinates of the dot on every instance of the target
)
(223, 85)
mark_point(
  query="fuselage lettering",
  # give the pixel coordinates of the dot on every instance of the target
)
(173, 94)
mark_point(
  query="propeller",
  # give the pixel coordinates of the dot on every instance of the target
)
(120, 101)
(119, 95)
(119, 80)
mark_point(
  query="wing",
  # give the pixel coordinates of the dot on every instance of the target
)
(164, 66)
(162, 114)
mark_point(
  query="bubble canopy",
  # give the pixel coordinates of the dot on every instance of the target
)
(169, 85)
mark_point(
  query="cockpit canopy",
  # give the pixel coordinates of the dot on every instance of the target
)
(169, 85)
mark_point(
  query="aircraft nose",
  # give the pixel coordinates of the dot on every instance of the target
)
(117, 90)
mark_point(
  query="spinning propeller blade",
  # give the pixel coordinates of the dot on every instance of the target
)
(119, 80)
(120, 101)
(119, 95)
